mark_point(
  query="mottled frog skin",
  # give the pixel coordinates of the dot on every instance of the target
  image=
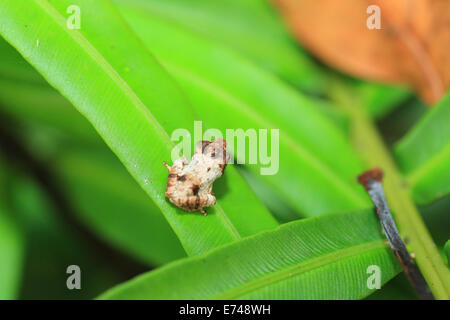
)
(189, 185)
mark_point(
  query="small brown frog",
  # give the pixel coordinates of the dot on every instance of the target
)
(189, 185)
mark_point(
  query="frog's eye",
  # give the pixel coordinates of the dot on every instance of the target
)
(215, 154)
(220, 155)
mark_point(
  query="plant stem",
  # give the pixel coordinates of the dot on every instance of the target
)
(370, 146)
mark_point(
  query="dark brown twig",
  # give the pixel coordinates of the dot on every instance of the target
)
(371, 180)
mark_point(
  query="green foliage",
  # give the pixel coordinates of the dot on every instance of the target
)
(380, 99)
(11, 253)
(249, 27)
(12, 244)
(313, 152)
(97, 106)
(279, 264)
(424, 154)
(138, 129)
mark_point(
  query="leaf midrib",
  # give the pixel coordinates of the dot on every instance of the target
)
(299, 268)
(92, 52)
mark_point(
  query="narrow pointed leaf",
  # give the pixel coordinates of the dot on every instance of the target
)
(12, 245)
(324, 257)
(424, 154)
(11, 257)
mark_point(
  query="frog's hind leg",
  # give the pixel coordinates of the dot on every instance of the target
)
(207, 201)
(196, 203)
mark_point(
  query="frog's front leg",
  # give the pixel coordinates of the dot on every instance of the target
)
(177, 166)
(167, 166)
(174, 171)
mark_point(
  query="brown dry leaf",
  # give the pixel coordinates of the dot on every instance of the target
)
(412, 47)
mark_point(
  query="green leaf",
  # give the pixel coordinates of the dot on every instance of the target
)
(380, 99)
(11, 257)
(273, 201)
(424, 154)
(13, 66)
(131, 102)
(12, 245)
(317, 167)
(323, 257)
(399, 288)
(250, 27)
